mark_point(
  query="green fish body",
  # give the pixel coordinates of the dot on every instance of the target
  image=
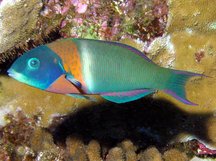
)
(117, 72)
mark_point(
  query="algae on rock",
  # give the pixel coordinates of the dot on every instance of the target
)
(17, 21)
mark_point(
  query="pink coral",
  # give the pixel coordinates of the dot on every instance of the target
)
(81, 8)
(56, 7)
(109, 20)
(127, 6)
(80, 5)
(160, 9)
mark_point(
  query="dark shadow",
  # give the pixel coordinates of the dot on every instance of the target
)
(146, 122)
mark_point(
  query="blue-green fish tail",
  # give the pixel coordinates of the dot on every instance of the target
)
(176, 85)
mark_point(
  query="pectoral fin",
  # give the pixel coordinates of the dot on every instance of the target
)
(63, 86)
(122, 97)
(71, 78)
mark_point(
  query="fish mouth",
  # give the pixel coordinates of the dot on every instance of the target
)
(14, 74)
(17, 76)
(11, 73)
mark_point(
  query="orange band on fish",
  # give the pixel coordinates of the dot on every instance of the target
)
(67, 50)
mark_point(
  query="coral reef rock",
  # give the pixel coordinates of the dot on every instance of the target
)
(18, 19)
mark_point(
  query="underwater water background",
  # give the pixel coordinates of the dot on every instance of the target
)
(37, 125)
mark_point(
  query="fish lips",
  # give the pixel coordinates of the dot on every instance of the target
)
(14, 74)
(11, 73)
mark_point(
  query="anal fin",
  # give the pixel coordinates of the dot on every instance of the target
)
(71, 78)
(122, 97)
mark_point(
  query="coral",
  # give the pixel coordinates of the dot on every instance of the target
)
(46, 155)
(94, 151)
(14, 29)
(41, 139)
(129, 150)
(80, 155)
(127, 145)
(211, 125)
(15, 137)
(23, 139)
(115, 154)
(76, 148)
(151, 19)
(130, 156)
(4, 155)
(192, 16)
(175, 155)
(150, 154)
(24, 153)
(38, 144)
(19, 130)
(103, 19)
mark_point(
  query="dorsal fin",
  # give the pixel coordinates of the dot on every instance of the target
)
(134, 50)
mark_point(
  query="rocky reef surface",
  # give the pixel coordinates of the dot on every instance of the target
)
(36, 125)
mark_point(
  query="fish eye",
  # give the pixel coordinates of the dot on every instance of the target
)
(33, 63)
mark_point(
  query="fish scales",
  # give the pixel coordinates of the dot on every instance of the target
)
(80, 67)
(109, 68)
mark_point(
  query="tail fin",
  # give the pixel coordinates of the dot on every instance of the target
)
(176, 86)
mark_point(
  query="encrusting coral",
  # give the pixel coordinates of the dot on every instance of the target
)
(150, 154)
(75, 148)
(13, 28)
(115, 154)
(129, 150)
(175, 155)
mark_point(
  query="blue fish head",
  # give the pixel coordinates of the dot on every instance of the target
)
(39, 67)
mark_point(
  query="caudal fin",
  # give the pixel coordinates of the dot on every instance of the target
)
(176, 86)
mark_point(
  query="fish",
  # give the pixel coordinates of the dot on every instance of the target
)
(85, 67)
